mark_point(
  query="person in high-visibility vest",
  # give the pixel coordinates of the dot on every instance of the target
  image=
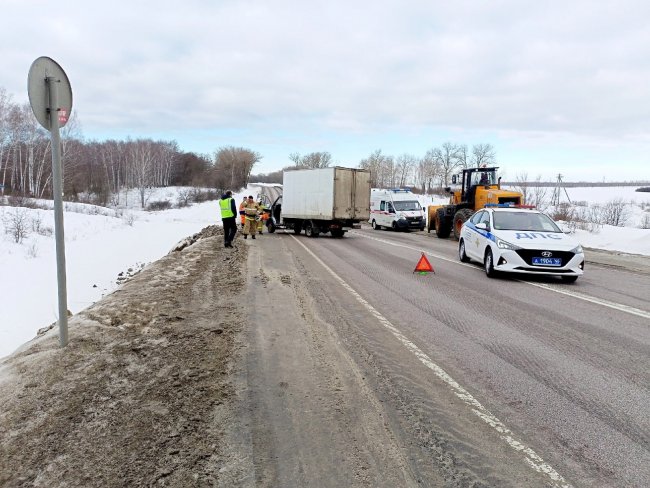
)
(228, 217)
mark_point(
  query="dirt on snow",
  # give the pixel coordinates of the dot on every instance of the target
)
(140, 395)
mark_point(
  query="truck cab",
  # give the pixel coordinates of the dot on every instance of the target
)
(397, 209)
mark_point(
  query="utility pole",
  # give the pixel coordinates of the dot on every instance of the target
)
(559, 186)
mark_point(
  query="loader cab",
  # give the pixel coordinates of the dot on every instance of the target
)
(473, 178)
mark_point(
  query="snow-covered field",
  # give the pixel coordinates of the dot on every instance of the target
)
(101, 243)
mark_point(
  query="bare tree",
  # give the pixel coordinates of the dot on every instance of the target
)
(538, 195)
(141, 159)
(16, 224)
(5, 103)
(30, 169)
(312, 160)
(446, 158)
(463, 161)
(615, 212)
(522, 185)
(233, 166)
(483, 155)
(428, 170)
(404, 168)
(93, 168)
(381, 168)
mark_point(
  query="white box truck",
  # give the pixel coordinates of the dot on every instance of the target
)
(397, 209)
(322, 200)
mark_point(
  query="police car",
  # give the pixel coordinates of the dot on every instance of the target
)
(520, 240)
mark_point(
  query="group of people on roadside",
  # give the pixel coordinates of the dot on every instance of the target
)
(252, 216)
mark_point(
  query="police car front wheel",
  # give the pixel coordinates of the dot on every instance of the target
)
(488, 264)
(462, 255)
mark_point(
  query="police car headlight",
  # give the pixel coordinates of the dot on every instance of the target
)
(501, 244)
(577, 250)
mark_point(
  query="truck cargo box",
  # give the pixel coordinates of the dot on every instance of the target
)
(326, 194)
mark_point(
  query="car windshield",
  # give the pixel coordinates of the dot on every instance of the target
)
(526, 221)
(407, 205)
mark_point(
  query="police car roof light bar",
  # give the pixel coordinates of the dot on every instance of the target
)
(508, 205)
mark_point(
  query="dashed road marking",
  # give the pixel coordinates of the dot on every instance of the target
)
(530, 456)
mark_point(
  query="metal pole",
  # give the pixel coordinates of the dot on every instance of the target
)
(57, 188)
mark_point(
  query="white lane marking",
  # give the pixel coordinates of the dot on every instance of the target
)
(530, 456)
(575, 294)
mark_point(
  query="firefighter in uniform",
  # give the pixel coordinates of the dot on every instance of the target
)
(250, 214)
(263, 217)
(242, 215)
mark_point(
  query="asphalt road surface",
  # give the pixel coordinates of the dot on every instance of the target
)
(359, 372)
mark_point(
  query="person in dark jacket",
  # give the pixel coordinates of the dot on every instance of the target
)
(229, 218)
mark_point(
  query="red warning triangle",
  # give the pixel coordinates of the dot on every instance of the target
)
(424, 266)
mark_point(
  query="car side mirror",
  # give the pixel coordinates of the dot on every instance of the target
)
(482, 226)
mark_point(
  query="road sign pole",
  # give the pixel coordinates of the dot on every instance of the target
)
(57, 188)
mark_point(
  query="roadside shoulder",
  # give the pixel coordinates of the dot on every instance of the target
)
(638, 263)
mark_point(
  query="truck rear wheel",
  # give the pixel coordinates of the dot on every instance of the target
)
(337, 232)
(297, 228)
(443, 224)
(375, 225)
(310, 231)
(459, 219)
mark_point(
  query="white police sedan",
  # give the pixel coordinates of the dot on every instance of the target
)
(520, 240)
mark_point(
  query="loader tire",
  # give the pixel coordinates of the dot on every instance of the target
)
(443, 224)
(460, 218)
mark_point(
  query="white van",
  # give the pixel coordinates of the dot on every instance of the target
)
(397, 208)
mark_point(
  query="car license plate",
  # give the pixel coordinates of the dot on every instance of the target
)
(547, 261)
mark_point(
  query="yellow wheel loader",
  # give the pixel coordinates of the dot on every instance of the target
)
(478, 187)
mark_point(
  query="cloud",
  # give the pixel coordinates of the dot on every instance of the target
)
(577, 68)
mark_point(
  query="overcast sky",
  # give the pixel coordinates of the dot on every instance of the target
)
(554, 86)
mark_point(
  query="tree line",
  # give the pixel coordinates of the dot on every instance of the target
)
(431, 171)
(97, 171)
(102, 168)
(427, 173)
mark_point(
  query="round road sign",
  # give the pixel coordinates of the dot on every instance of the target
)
(42, 69)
